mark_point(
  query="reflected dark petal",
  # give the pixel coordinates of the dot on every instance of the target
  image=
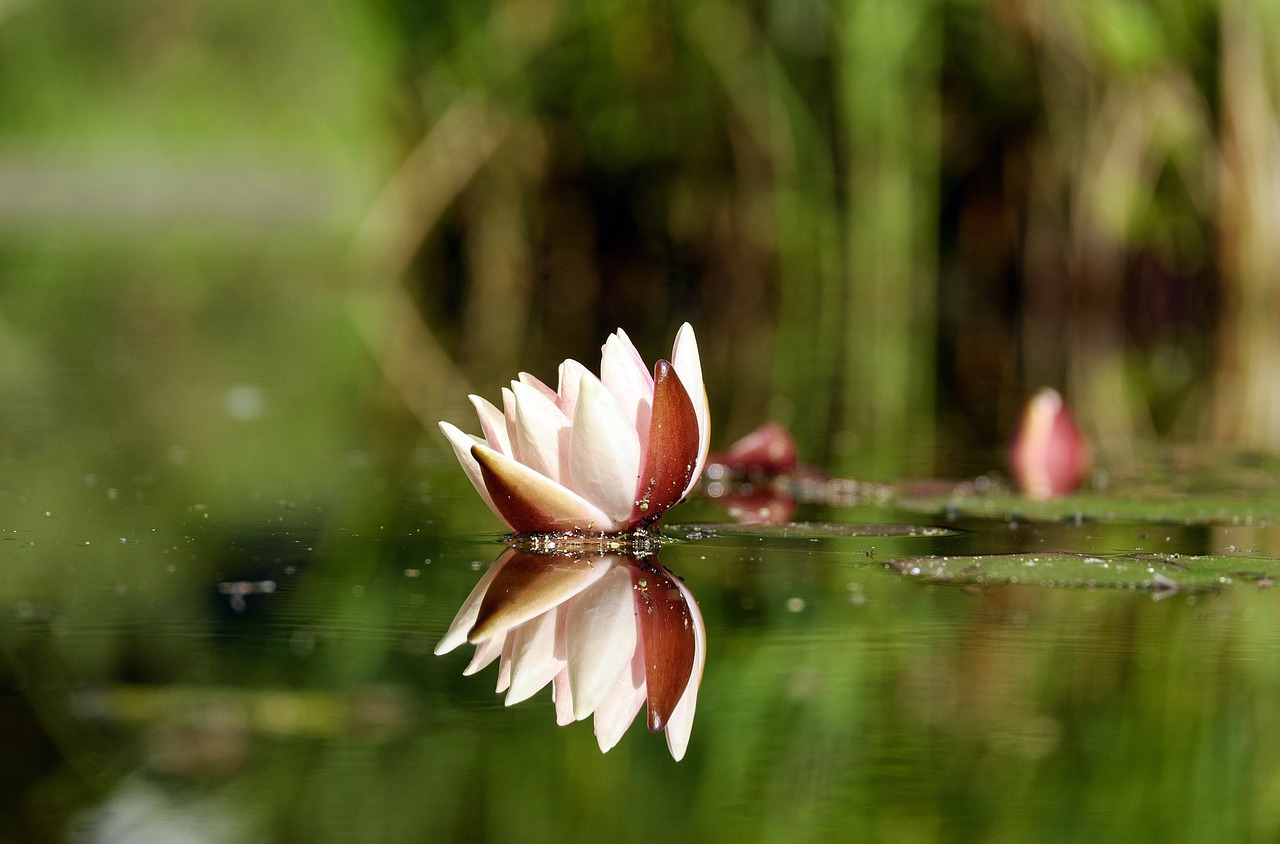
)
(671, 456)
(667, 639)
(530, 584)
(680, 724)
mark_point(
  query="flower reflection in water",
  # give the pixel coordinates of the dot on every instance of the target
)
(608, 632)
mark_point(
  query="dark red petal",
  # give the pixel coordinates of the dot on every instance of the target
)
(667, 639)
(672, 454)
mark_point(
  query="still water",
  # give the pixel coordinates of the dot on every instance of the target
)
(199, 665)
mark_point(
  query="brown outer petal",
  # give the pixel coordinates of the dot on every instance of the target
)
(531, 502)
(672, 452)
(666, 639)
(530, 584)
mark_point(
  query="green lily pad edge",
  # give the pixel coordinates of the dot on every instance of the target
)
(1159, 573)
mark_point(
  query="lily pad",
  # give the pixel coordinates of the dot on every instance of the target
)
(1115, 507)
(1161, 573)
(803, 530)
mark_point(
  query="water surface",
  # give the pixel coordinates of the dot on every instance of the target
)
(260, 669)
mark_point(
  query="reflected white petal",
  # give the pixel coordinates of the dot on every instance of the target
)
(533, 660)
(486, 652)
(619, 709)
(600, 639)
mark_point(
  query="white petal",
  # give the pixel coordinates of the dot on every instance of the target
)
(542, 432)
(623, 373)
(536, 382)
(688, 365)
(533, 661)
(600, 639)
(680, 724)
(504, 667)
(604, 452)
(563, 697)
(509, 413)
(486, 652)
(571, 375)
(462, 443)
(618, 711)
(493, 423)
(466, 617)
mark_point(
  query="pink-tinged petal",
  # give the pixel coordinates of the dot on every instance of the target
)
(618, 711)
(486, 652)
(536, 383)
(600, 636)
(562, 694)
(1049, 456)
(533, 660)
(509, 413)
(493, 423)
(680, 724)
(504, 667)
(530, 585)
(667, 639)
(688, 364)
(671, 456)
(541, 432)
(466, 617)
(462, 444)
(604, 453)
(530, 502)
(571, 375)
(623, 373)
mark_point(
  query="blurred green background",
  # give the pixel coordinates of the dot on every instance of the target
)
(889, 222)
(250, 253)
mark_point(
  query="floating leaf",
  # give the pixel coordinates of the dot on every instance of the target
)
(803, 530)
(1156, 572)
(1243, 489)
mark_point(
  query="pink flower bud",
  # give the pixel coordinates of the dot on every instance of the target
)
(769, 450)
(1049, 456)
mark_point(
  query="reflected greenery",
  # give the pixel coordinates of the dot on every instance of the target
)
(168, 687)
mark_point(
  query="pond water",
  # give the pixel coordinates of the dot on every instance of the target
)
(193, 664)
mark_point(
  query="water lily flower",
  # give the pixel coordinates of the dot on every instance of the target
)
(599, 454)
(609, 633)
(1049, 456)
